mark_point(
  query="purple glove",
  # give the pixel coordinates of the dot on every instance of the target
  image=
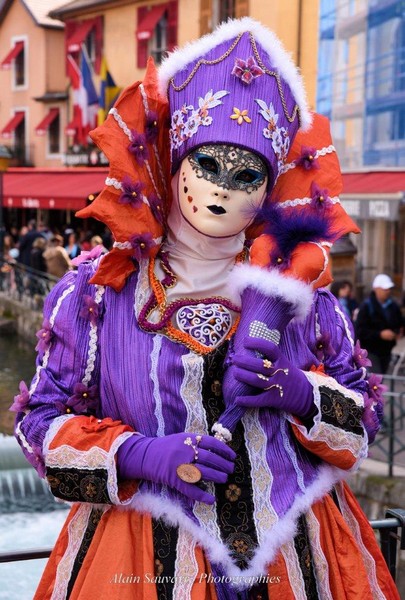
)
(157, 458)
(277, 382)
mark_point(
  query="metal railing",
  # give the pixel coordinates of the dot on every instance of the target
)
(390, 541)
(25, 284)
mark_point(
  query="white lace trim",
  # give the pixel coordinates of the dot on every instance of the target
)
(355, 529)
(318, 153)
(320, 563)
(52, 318)
(291, 452)
(186, 567)
(154, 358)
(142, 289)
(304, 201)
(76, 530)
(53, 430)
(128, 245)
(196, 422)
(111, 465)
(294, 570)
(114, 112)
(262, 477)
(91, 358)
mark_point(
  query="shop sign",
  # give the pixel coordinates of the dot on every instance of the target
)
(370, 209)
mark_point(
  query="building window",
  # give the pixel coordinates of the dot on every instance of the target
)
(91, 47)
(158, 42)
(54, 136)
(19, 69)
(222, 10)
(19, 143)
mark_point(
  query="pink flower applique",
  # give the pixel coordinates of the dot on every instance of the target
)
(131, 192)
(320, 197)
(138, 148)
(90, 310)
(360, 356)
(44, 336)
(247, 70)
(21, 400)
(142, 243)
(87, 255)
(307, 158)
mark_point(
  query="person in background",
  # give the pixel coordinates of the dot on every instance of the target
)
(26, 242)
(72, 247)
(343, 290)
(379, 323)
(37, 254)
(96, 240)
(56, 258)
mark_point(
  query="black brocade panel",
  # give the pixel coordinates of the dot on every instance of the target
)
(164, 546)
(79, 485)
(303, 549)
(235, 498)
(93, 521)
(340, 411)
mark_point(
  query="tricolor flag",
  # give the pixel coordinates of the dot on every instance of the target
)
(85, 99)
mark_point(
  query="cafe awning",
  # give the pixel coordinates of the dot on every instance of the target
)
(43, 126)
(12, 124)
(373, 195)
(54, 189)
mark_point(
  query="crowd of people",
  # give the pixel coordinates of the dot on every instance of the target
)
(50, 251)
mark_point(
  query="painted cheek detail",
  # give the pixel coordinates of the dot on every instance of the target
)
(190, 198)
(195, 209)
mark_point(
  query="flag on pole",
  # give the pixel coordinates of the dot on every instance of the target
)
(85, 98)
(108, 92)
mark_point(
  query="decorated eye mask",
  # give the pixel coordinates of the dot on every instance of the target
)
(229, 167)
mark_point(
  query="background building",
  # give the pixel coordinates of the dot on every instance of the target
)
(361, 88)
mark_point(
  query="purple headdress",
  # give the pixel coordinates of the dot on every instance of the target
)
(235, 86)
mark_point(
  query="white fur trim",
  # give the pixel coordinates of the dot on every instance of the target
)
(272, 283)
(281, 533)
(281, 60)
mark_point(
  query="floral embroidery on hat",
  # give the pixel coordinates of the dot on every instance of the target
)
(184, 126)
(240, 116)
(247, 70)
(308, 158)
(280, 140)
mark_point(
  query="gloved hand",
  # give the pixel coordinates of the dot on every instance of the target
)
(277, 382)
(157, 458)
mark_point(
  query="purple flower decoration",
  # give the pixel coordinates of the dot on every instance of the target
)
(151, 128)
(156, 207)
(376, 388)
(35, 458)
(372, 417)
(90, 310)
(360, 356)
(21, 400)
(88, 255)
(44, 336)
(307, 158)
(141, 243)
(83, 400)
(246, 70)
(323, 347)
(131, 192)
(138, 148)
(320, 198)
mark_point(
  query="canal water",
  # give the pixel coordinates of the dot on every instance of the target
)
(29, 516)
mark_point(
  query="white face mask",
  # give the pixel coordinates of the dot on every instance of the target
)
(220, 188)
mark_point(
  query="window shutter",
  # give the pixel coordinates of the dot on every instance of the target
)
(172, 24)
(141, 45)
(205, 16)
(241, 8)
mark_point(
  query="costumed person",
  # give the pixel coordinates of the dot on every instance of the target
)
(200, 403)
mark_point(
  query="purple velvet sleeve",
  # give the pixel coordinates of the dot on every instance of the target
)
(63, 361)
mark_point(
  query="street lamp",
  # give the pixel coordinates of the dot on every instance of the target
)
(5, 156)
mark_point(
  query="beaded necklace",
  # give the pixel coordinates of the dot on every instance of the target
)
(158, 300)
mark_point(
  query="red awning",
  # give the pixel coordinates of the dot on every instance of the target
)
(12, 55)
(149, 22)
(42, 128)
(12, 124)
(55, 189)
(76, 40)
(374, 182)
(73, 125)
